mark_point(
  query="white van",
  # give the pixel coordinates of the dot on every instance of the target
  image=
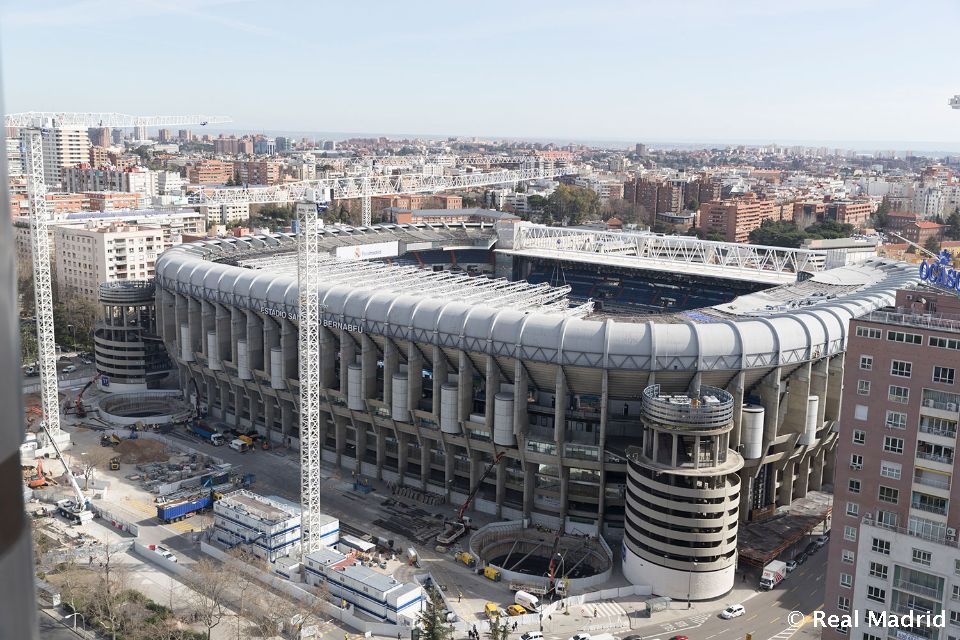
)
(528, 601)
(239, 445)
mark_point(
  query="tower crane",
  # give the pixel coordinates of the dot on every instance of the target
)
(308, 277)
(33, 124)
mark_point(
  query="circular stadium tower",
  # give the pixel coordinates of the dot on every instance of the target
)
(683, 495)
(129, 352)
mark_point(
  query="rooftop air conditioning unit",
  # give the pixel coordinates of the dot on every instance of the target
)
(951, 534)
(951, 406)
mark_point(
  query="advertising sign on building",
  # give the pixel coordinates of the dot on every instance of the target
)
(369, 251)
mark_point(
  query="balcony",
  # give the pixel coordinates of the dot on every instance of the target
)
(942, 459)
(938, 431)
(929, 508)
(922, 589)
(936, 480)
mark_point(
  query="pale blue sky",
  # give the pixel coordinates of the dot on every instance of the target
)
(678, 70)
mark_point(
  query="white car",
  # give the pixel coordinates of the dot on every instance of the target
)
(733, 611)
(165, 553)
(580, 636)
(70, 368)
(532, 635)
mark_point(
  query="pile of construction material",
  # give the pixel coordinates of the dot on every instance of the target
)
(142, 450)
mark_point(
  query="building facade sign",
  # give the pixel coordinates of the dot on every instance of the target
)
(941, 273)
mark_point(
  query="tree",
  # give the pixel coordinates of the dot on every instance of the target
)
(693, 205)
(433, 622)
(573, 204)
(210, 581)
(953, 225)
(536, 202)
(499, 629)
(829, 229)
(777, 233)
(932, 244)
(881, 217)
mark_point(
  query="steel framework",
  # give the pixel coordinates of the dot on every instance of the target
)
(42, 285)
(111, 120)
(310, 272)
(650, 250)
(455, 161)
(369, 186)
(33, 125)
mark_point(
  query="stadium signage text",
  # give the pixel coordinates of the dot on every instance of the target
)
(332, 324)
(940, 273)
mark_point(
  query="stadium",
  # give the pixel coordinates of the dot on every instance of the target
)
(660, 391)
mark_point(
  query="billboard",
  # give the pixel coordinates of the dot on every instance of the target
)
(369, 251)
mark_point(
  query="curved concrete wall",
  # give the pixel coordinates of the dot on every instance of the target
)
(676, 584)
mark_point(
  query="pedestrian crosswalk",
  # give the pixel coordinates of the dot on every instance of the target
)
(602, 610)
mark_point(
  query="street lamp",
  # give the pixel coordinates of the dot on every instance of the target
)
(74, 615)
(689, 577)
(73, 333)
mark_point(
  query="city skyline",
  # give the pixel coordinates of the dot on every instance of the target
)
(741, 73)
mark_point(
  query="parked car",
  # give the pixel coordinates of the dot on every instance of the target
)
(86, 360)
(63, 359)
(679, 638)
(821, 541)
(580, 636)
(515, 610)
(802, 557)
(31, 371)
(165, 553)
(811, 548)
(733, 611)
(792, 565)
(531, 635)
(70, 368)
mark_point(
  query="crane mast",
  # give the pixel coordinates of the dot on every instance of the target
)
(309, 276)
(33, 125)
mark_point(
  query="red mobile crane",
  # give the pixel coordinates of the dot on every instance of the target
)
(457, 528)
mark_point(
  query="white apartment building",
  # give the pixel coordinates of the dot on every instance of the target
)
(63, 147)
(14, 157)
(90, 255)
(226, 214)
(134, 180)
(928, 201)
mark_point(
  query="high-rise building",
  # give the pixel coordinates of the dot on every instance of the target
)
(210, 172)
(641, 149)
(14, 157)
(734, 219)
(258, 171)
(117, 136)
(164, 135)
(99, 136)
(90, 256)
(63, 147)
(185, 135)
(896, 510)
(140, 133)
(283, 144)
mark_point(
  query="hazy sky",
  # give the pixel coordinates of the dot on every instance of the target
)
(677, 70)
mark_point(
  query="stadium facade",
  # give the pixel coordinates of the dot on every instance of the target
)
(664, 430)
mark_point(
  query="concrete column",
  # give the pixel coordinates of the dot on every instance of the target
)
(254, 409)
(286, 420)
(795, 419)
(439, 377)
(225, 399)
(361, 432)
(501, 487)
(195, 320)
(222, 320)
(255, 341)
(208, 322)
(602, 443)
(803, 478)
(769, 392)
(465, 386)
(368, 363)
(348, 354)
(166, 315)
(391, 364)
(529, 485)
(402, 457)
(424, 465)
(834, 386)
(785, 490)
(492, 386)
(289, 335)
(414, 377)
(560, 410)
(381, 451)
(340, 434)
(816, 471)
(271, 339)
(736, 390)
(564, 492)
(269, 415)
(328, 361)
(521, 415)
(238, 330)
(475, 471)
(211, 391)
(448, 472)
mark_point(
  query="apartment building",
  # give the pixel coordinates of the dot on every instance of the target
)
(136, 179)
(114, 200)
(91, 255)
(258, 171)
(209, 172)
(63, 147)
(895, 515)
(734, 219)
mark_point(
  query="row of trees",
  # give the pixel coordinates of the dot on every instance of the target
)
(74, 316)
(783, 233)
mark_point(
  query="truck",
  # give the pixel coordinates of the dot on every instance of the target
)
(492, 574)
(178, 509)
(466, 558)
(238, 444)
(529, 587)
(206, 433)
(773, 574)
(526, 600)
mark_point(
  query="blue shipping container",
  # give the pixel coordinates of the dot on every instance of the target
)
(179, 510)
